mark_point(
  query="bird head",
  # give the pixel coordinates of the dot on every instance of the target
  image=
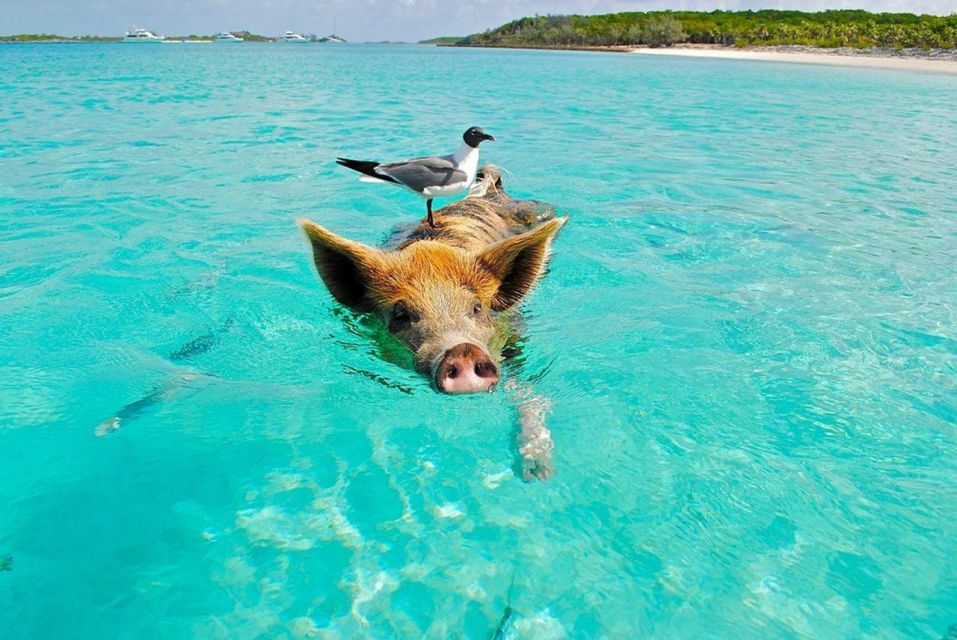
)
(475, 136)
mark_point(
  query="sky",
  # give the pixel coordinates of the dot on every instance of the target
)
(361, 20)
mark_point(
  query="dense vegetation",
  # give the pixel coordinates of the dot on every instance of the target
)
(848, 28)
(191, 38)
(252, 37)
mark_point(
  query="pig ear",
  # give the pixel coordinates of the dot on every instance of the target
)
(518, 262)
(346, 267)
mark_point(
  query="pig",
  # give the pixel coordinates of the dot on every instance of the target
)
(440, 290)
(447, 292)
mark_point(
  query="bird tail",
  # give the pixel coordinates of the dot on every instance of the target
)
(364, 167)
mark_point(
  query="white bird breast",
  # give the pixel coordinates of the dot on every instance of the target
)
(452, 189)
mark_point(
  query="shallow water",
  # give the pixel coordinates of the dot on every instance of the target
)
(748, 336)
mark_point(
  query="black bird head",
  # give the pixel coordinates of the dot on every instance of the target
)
(475, 136)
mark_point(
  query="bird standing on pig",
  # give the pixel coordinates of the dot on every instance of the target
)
(445, 292)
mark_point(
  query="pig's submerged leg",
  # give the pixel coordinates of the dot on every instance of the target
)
(534, 442)
(160, 393)
(166, 390)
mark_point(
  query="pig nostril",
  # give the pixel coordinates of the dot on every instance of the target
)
(485, 369)
(453, 371)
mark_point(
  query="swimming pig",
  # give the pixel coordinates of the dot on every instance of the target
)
(441, 290)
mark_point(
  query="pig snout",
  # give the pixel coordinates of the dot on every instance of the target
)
(466, 368)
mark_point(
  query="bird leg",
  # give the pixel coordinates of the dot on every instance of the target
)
(428, 206)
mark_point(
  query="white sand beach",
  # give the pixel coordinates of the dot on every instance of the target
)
(907, 63)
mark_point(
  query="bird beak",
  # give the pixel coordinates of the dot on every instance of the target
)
(488, 137)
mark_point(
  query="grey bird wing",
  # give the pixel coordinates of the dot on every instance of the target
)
(421, 173)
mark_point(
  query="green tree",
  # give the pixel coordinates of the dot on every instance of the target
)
(662, 31)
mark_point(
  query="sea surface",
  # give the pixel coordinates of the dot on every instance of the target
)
(748, 337)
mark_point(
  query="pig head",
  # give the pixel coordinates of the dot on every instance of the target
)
(438, 298)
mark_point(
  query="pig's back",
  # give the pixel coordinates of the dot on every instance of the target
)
(488, 214)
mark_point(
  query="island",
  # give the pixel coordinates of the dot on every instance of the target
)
(856, 29)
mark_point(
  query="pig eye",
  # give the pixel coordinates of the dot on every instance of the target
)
(400, 317)
(477, 308)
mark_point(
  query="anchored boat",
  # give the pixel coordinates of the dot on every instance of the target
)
(292, 38)
(138, 34)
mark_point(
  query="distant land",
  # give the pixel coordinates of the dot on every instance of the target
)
(49, 37)
(828, 29)
(245, 35)
(443, 40)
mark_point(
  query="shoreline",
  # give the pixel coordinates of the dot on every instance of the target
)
(906, 60)
(938, 62)
(611, 48)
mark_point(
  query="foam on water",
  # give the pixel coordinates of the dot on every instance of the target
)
(747, 340)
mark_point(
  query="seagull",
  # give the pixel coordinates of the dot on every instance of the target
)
(431, 176)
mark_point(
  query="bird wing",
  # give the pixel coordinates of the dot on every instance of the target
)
(420, 173)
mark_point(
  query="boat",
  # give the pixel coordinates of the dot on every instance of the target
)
(333, 38)
(292, 38)
(139, 34)
(225, 36)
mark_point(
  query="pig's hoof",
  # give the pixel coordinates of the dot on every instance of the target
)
(107, 427)
(537, 468)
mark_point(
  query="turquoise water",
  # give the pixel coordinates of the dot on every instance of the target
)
(748, 336)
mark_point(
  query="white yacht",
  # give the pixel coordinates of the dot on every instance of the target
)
(225, 36)
(293, 38)
(139, 34)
